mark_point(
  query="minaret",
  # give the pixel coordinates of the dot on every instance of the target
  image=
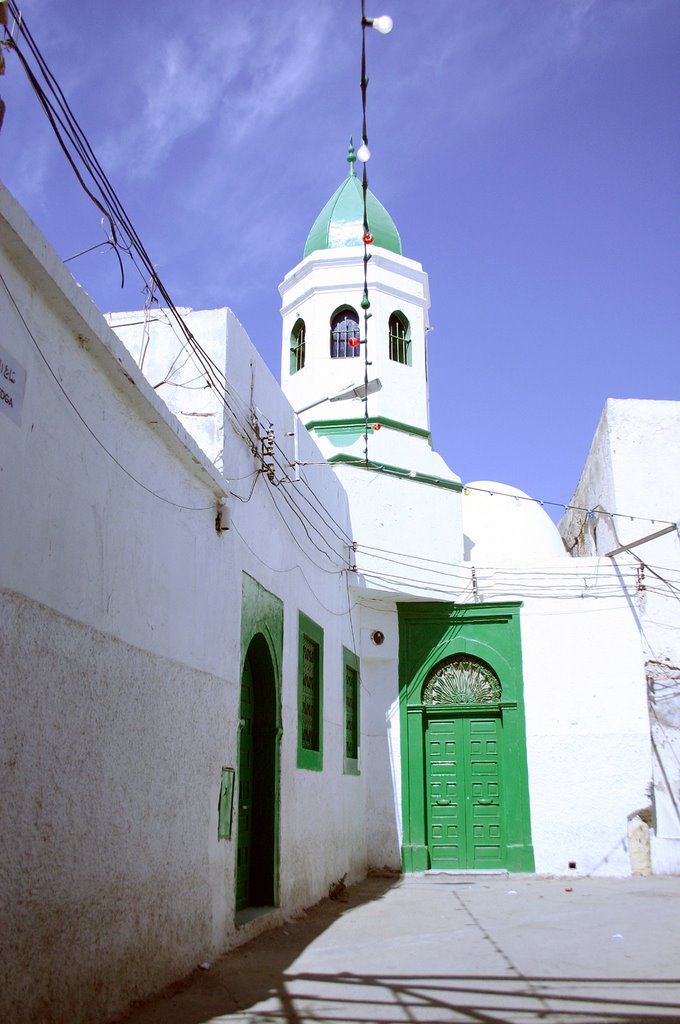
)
(323, 348)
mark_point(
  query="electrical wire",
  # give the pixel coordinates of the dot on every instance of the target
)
(107, 241)
(68, 131)
(322, 510)
(317, 507)
(589, 512)
(149, 490)
(333, 555)
(305, 552)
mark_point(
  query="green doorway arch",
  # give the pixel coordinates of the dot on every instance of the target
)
(258, 749)
(256, 847)
(465, 791)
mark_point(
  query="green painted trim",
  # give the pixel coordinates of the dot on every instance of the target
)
(324, 427)
(350, 765)
(312, 760)
(428, 633)
(262, 612)
(406, 474)
(225, 804)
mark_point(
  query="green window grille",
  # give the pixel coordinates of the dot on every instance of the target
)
(351, 703)
(345, 336)
(297, 346)
(400, 339)
(310, 694)
(462, 679)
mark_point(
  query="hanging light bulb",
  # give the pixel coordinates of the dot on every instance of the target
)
(383, 24)
(368, 238)
(363, 153)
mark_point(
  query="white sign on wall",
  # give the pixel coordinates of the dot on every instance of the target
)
(12, 386)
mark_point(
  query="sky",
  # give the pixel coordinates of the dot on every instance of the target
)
(528, 151)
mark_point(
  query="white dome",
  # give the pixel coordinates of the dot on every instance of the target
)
(503, 526)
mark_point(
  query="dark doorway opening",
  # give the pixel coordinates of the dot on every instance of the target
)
(256, 849)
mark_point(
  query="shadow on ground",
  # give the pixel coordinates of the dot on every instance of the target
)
(283, 977)
(254, 972)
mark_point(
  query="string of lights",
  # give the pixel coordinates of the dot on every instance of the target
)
(383, 25)
(590, 513)
(315, 519)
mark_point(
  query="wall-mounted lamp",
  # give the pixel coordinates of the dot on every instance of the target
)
(223, 517)
(358, 392)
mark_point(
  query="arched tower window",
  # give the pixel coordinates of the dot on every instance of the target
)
(297, 346)
(344, 331)
(462, 679)
(400, 339)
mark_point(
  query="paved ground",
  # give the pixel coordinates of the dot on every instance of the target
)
(448, 948)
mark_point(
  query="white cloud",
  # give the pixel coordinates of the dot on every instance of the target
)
(486, 56)
(233, 72)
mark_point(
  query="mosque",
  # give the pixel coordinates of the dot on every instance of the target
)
(266, 640)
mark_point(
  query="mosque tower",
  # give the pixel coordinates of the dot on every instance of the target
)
(325, 341)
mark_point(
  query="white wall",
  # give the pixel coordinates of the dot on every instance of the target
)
(314, 289)
(121, 656)
(587, 731)
(630, 471)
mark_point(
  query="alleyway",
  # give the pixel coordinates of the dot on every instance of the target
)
(491, 949)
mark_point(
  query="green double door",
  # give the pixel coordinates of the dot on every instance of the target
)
(464, 791)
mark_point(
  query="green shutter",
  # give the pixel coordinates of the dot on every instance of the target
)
(310, 695)
(351, 684)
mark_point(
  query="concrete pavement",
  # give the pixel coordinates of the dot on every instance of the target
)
(488, 949)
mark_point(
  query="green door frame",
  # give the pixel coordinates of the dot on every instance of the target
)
(262, 618)
(429, 632)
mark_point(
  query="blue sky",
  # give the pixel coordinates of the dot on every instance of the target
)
(528, 150)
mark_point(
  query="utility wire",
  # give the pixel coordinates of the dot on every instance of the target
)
(589, 512)
(68, 133)
(149, 490)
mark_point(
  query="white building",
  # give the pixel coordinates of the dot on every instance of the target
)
(392, 670)
(631, 467)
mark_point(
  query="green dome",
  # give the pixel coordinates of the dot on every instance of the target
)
(341, 222)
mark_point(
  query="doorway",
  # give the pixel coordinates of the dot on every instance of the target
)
(464, 791)
(465, 785)
(257, 836)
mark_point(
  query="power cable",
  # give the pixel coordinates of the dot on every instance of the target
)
(189, 508)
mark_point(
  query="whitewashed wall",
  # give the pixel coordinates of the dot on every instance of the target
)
(631, 471)
(588, 745)
(121, 659)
